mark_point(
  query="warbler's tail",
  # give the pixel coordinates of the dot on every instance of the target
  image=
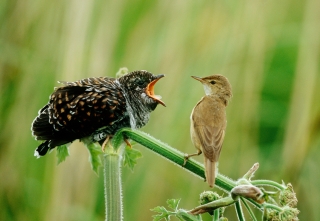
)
(211, 171)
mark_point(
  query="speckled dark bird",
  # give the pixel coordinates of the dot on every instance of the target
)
(95, 108)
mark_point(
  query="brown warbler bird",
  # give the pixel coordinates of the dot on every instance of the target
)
(95, 108)
(208, 122)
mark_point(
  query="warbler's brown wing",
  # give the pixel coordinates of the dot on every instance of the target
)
(209, 121)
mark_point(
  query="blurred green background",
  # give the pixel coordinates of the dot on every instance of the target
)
(269, 50)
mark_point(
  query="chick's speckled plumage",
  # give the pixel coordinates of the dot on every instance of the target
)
(95, 107)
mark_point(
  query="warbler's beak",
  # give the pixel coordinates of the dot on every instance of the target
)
(198, 78)
(150, 90)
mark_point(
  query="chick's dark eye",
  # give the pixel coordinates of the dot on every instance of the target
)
(140, 83)
(212, 82)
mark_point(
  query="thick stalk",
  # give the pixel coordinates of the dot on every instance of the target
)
(113, 186)
(172, 154)
(224, 183)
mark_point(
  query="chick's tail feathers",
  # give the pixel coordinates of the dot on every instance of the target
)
(42, 149)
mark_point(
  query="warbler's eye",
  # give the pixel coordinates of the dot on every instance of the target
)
(212, 82)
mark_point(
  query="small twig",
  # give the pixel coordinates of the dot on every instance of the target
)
(251, 171)
(272, 206)
(268, 183)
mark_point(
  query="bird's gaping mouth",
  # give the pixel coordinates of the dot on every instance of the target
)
(150, 90)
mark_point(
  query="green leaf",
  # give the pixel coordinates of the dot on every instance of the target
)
(159, 217)
(62, 153)
(94, 154)
(180, 214)
(159, 209)
(130, 157)
(164, 213)
(173, 203)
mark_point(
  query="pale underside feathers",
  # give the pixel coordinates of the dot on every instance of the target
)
(210, 127)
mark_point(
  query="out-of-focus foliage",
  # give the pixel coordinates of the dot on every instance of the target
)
(269, 50)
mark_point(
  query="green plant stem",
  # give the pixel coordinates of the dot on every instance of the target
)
(248, 208)
(216, 214)
(272, 206)
(239, 211)
(224, 183)
(268, 183)
(223, 202)
(172, 154)
(113, 186)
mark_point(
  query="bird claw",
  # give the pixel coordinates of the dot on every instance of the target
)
(186, 158)
(103, 146)
(127, 142)
(105, 142)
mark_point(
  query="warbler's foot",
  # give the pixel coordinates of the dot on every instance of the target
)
(186, 158)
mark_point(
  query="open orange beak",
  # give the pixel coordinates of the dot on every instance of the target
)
(150, 90)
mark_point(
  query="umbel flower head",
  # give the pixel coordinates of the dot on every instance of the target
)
(287, 197)
(209, 196)
(288, 201)
(287, 214)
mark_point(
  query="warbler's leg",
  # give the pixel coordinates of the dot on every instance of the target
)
(187, 156)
